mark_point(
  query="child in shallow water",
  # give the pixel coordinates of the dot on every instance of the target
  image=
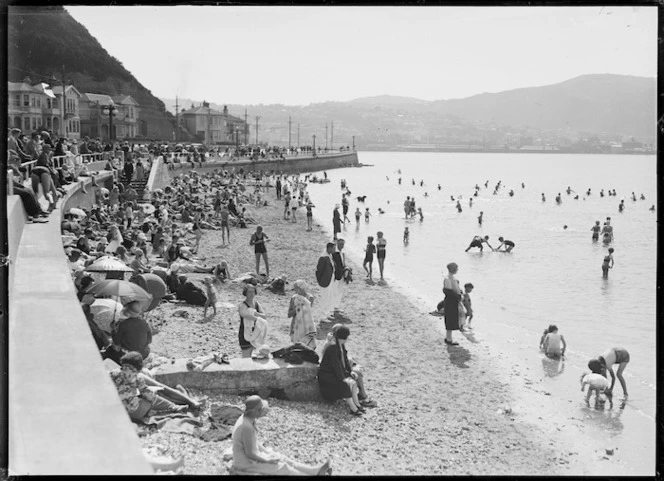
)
(599, 384)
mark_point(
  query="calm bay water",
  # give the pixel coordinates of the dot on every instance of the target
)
(553, 276)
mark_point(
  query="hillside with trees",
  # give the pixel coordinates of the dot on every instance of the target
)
(41, 40)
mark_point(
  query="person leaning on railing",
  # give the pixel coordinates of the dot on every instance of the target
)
(30, 203)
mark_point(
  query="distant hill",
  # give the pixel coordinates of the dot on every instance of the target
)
(606, 105)
(43, 39)
(595, 103)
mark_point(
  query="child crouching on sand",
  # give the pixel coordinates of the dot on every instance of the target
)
(597, 383)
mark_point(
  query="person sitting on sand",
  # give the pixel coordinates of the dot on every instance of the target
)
(478, 241)
(133, 333)
(251, 457)
(335, 377)
(509, 245)
(138, 399)
(221, 271)
(615, 355)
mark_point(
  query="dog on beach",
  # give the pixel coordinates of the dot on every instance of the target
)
(360, 198)
(597, 383)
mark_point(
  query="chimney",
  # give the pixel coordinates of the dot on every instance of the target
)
(225, 110)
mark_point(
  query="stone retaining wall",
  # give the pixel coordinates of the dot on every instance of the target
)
(65, 416)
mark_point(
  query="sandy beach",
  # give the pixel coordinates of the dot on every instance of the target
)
(441, 409)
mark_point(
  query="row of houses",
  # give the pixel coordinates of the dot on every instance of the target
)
(75, 115)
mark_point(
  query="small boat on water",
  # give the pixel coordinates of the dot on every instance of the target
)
(316, 180)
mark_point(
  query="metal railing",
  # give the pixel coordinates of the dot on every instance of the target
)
(74, 160)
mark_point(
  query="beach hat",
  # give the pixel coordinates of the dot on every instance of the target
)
(336, 206)
(16, 130)
(132, 308)
(301, 284)
(255, 403)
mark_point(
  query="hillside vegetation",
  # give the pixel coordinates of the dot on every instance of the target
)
(41, 40)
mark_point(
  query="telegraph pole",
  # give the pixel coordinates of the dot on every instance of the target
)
(325, 136)
(177, 120)
(289, 133)
(257, 117)
(314, 150)
(64, 104)
(246, 127)
(332, 137)
(298, 136)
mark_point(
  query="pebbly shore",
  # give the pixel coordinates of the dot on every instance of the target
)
(441, 409)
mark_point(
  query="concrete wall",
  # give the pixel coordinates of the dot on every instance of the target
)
(65, 417)
(161, 176)
(16, 218)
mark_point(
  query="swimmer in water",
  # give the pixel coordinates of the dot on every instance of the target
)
(565, 227)
(419, 211)
(381, 211)
(621, 206)
(470, 202)
(426, 194)
(652, 208)
(358, 214)
(559, 199)
(509, 245)
(406, 236)
(478, 241)
(479, 218)
(643, 197)
(452, 198)
(421, 183)
(595, 230)
(399, 180)
(523, 186)
(458, 206)
(367, 214)
(438, 186)
(543, 198)
(607, 263)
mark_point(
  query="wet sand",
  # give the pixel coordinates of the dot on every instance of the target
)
(441, 409)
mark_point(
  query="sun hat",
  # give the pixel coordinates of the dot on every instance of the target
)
(255, 403)
(132, 308)
(301, 284)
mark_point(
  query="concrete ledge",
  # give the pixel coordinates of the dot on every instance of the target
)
(65, 416)
(16, 219)
(266, 377)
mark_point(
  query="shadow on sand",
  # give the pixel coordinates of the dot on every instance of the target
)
(459, 356)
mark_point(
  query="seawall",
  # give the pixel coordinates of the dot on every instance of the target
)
(160, 175)
(65, 416)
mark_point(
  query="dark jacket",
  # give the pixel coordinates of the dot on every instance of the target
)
(134, 334)
(191, 294)
(324, 271)
(338, 265)
(331, 374)
(303, 351)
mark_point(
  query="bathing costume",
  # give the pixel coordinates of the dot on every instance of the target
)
(259, 244)
(509, 243)
(381, 251)
(370, 252)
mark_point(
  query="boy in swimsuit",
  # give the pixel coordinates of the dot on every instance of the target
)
(479, 218)
(509, 245)
(406, 235)
(465, 300)
(367, 214)
(368, 257)
(358, 214)
(478, 241)
(615, 355)
(595, 230)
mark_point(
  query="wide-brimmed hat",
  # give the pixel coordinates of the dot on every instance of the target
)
(255, 404)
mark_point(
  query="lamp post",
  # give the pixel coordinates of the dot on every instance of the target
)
(111, 111)
(237, 141)
(314, 136)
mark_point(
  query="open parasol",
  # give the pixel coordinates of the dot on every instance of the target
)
(108, 264)
(124, 291)
(77, 212)
(105, 312)
(147, 208)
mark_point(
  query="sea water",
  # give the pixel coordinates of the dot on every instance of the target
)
(553, 275)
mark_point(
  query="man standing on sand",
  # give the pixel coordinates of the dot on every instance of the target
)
(328, 272)
(339, 258)
(336, 221)
(278, 187)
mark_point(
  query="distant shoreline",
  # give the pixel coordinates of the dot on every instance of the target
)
(493, 151)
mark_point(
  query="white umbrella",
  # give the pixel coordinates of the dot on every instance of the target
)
(108, 264)
(77, 212)
(147, 208)
(105, 312)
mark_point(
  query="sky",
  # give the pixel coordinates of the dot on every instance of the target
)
(302, 55)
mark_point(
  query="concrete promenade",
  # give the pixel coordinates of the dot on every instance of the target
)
(65, 416)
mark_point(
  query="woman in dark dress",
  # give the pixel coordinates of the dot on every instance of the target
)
(335, 377)
(336, 221)
(452, 291)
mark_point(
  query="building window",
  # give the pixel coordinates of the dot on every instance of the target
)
(26, 123)
(38, 102)
(34, 123)
(17, 100)
(26, 100)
